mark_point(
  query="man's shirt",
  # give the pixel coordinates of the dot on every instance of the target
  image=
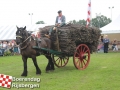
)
(106, 40)
(61, 19)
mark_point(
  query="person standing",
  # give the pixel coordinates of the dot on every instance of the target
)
(1, 45)
(4, 45)
(1, 49)
(106, 44)
(101, 38)
(10, 47)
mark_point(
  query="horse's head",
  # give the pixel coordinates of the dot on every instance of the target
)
(21, 34)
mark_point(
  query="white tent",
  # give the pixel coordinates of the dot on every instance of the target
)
(113, 27)
(9, 32)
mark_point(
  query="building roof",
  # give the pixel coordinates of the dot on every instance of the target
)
(8, 32)
(113, 27)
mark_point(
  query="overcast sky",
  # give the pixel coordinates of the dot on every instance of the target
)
(16, 11)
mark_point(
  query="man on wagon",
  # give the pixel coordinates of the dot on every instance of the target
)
(59, 22)
(60, 19)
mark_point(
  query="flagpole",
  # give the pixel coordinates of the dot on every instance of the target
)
(89, 14)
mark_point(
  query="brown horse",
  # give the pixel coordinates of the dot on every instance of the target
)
(26, 43)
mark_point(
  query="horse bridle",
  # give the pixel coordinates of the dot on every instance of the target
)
(23, 41)
(19, 36)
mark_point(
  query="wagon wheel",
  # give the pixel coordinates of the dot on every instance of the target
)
(81, 57)
(60, 61)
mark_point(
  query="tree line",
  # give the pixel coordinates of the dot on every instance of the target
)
(98, 21)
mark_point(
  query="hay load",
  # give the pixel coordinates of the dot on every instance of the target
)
(44, 30)
(72, 35)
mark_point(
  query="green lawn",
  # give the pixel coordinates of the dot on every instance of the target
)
(102, 73)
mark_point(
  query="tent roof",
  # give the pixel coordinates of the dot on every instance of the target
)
(113, 27)
(8, 32)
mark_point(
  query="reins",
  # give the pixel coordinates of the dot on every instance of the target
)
(24, 42)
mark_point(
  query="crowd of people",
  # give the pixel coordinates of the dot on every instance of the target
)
(9, 46)
(12, 46)
(104, 44)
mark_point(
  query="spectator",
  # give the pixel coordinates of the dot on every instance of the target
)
(10, 47)
(115, 47)
(10, 44)
(1, 44)
(101, 38)
(4, 45)
(106, 44)
(100, 46)
(15, 47)
(18, 50)
(13, 43)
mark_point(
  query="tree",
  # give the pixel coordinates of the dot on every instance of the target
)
(83, 22)
(100, 21)
(40, 22)
(74, 21)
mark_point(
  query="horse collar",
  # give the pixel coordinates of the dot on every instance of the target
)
(24, 47)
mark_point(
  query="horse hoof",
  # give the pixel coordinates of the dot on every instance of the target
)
(52, 70)
(48, 71)
(24, 74)
(38, 74)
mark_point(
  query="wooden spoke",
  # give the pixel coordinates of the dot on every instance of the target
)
(84, 58)
(83, 62)
(86, 51)
(57, 59)
(60, 62)
(83, 49)
(64, 61)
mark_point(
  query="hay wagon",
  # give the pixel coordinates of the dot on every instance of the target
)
(65, 44)
(81, 57)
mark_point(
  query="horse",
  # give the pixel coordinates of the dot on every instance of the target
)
(26, 43)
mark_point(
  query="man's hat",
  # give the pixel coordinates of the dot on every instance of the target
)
(59, 11)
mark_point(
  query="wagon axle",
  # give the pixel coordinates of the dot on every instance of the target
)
(82, 56)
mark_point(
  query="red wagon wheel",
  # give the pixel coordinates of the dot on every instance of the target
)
(81, 57)
(60, 61)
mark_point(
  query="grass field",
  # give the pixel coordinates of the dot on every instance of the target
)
(103, 73)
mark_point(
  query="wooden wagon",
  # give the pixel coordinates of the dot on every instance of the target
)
(81, 55)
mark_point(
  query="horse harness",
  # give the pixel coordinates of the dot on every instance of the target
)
(28, 43)
(24, 42)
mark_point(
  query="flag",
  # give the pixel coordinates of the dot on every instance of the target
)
(89, 13)
(5, 81)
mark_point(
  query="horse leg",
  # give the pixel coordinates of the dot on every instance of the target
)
(25, 66)
(38, 71)
(50, 65)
